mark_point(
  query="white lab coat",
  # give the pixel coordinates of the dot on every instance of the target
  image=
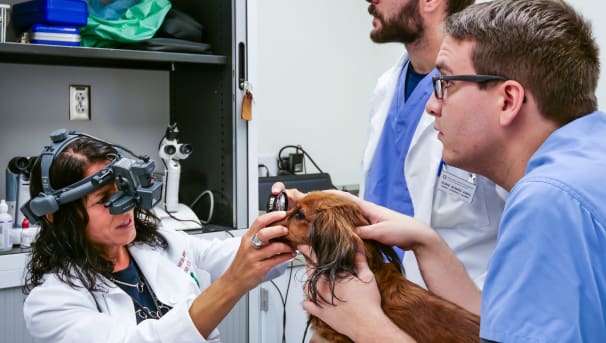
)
(470, 229)
(55, 312)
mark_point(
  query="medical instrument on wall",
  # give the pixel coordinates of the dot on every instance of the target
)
(134, 180)
(173, 213)
(17, 185)
(171, 152)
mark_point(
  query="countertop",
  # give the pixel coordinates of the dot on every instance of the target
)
(12, 262)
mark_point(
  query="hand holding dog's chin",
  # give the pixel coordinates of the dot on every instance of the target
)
(357, 312)
(251, 264)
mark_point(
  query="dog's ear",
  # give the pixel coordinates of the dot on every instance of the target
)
(335, 243)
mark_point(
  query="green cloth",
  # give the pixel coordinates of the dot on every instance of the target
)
(139, 22)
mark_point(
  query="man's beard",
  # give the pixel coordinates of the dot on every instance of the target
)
(406, 27)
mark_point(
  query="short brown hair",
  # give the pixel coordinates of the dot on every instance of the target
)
(543, 44)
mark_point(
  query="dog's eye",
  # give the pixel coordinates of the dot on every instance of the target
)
(299, 215)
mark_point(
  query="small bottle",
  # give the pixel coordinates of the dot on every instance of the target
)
(6, 227)
(16, 236)
(27, 235)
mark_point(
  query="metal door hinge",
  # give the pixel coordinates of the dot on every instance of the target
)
(263, 300)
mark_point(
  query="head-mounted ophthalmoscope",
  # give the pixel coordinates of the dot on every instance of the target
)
(133, 177)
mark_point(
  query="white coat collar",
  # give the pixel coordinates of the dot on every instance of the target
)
(379, 107)
(425, 151)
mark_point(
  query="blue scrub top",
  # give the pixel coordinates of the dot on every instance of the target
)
(547, 277)
(385, 182)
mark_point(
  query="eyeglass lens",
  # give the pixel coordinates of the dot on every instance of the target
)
(438, 88)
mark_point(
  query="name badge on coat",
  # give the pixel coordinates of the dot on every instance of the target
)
(457, 182)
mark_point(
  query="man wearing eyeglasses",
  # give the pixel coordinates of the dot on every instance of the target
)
(402, 164)
(514, 101)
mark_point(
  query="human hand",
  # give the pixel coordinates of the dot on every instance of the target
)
(251, 264)
(356, 299)
(293, 194)
(389, 227)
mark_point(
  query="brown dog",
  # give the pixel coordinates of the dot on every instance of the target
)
(327, 223)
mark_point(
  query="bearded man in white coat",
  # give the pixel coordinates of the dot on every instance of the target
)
(402, 165)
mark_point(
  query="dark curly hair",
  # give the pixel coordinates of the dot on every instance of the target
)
(62, 246)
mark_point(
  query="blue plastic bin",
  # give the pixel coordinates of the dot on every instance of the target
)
(49, 12)
(55, 35)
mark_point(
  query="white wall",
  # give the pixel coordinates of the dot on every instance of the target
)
(316, 70)
(593, 11)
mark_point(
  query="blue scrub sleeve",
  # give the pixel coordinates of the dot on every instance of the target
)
(540, 285)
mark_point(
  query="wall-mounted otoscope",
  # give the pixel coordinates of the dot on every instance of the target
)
(17, 186)
(171, 151)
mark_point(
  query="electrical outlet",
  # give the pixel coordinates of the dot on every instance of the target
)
(79, 102)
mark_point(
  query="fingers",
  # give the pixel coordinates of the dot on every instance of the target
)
(367, 231)
(293, 194)
(388, 233)
(310, 307)
(260, 235)
(281, 253)
(264, 220)
(402, 231)
(266, 234)
(374, 212)
(261, 241)
(268, 250)
(364, 272)
(277, 188)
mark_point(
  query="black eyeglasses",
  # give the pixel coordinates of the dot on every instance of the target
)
(440, 82)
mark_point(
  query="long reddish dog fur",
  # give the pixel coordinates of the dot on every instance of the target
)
(327, 223)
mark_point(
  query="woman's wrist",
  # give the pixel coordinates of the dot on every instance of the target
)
(232, 286)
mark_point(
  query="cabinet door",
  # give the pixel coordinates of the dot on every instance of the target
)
(243, 132)
(273, 317)
(206, 101)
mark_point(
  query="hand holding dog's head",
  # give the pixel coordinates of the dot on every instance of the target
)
(327, 223)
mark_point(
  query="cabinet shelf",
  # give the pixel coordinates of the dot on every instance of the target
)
(100, 57)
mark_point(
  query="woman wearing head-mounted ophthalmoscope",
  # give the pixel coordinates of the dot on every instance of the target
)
(102, 269)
